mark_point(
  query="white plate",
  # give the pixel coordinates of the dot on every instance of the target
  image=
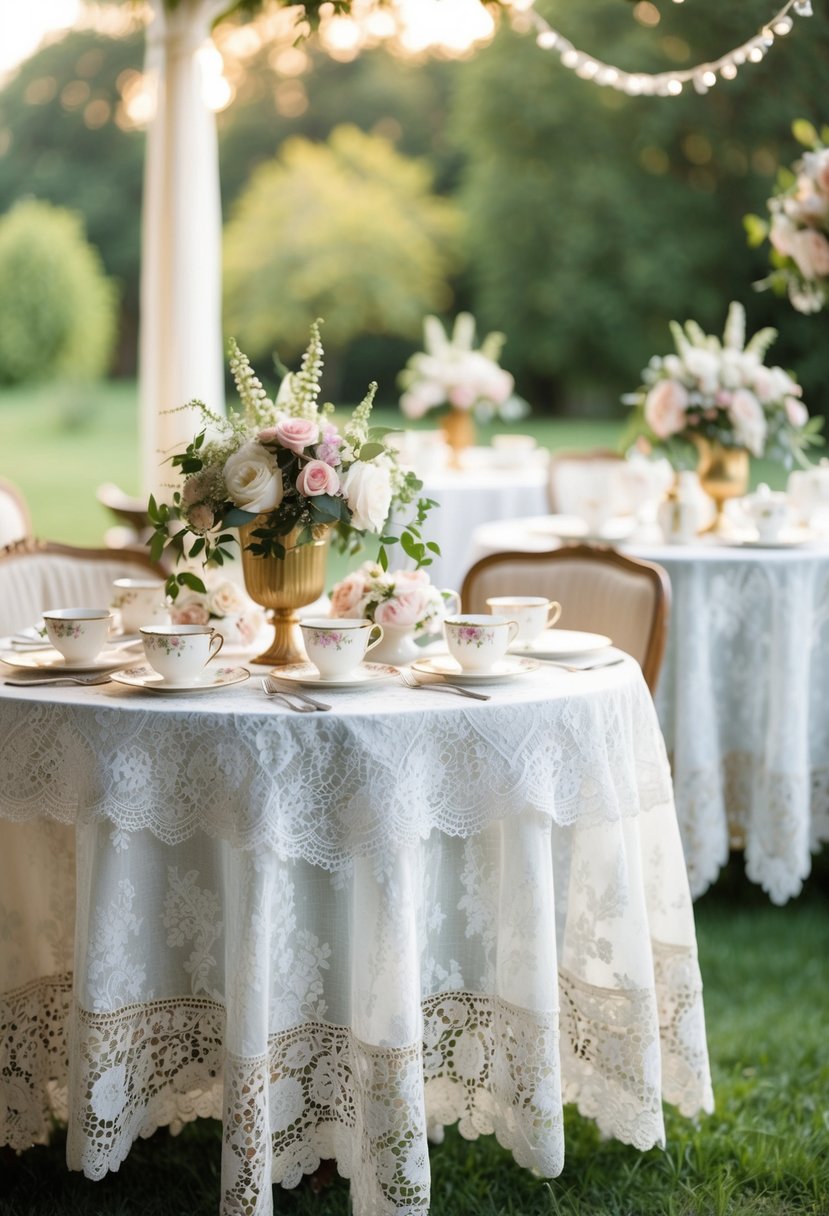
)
(52, 660)
(786, 540)
(562, 644)
(573, 527)
(505, 669)
(365, 676)
(150, 681)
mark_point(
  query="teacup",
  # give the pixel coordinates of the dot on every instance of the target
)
(179, 652)
(139, 601)
(478, 642)
(534, 614)
(79, 634)
(337, 646)
(768, 511)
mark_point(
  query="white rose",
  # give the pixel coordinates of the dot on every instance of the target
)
(253, 478)
(749, 421)
(367, 490)
(225, 599)
(704, 366)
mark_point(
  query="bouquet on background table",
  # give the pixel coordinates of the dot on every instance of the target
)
(405, 598)
(798, 231)
(290, 468)
(222, 605)
(721, 390)
(451, 374)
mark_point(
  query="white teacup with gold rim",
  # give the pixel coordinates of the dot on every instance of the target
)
(534, 614)
(477, 642)
(337, 646)
(79, 634)
(180, 652)
(139, 601)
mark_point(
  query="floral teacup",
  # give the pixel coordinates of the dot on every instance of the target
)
(179, 652)
(79, 634)
(337, 647)
(139, 601)
(478, 642)
(534, 614)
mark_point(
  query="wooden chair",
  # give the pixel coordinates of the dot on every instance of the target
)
(599, 590)
(36, 575)
(15, 520)
(578, 477)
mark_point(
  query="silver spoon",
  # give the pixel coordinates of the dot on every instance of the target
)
(87, 681)
(275, 687)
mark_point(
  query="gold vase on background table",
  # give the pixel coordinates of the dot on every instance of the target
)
(723, 474)
(458, 428)
(285, 584)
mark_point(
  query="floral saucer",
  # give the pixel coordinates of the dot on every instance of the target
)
(562, 644)
(505, 669)
(364, 676)
(147, 679)
(53, 660)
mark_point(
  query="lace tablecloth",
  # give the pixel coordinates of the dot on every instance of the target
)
(332, 931)
(743, 700)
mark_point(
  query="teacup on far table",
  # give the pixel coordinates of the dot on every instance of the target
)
(478, 642)
(337, 647)
(139, 601)
(534, 614)
(79, 634)
(179, 652)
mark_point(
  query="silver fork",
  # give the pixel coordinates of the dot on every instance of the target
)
(411, 681)
(276, 694)
(591, 667)
(274, 686)
(87, 681)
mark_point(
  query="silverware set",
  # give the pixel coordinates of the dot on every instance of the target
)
(411, 681)
(97, 677)
(299, 702)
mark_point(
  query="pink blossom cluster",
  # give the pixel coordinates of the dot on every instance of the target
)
(800, 230)
(403, 598)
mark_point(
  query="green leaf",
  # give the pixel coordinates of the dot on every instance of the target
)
(235, 517)
(382, 558)
(433, 547)
(157, 546)
(805, 133)
(370, 450)
(325, 507)
(197, 547)
(187, 579)
(756, 230)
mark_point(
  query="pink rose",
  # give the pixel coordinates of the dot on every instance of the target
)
(665, 407)
(403, 610)
(190, 614)
(317, 477)
(811, 253)
(296, 434)
(418, 578)
(822, 171)
(269, 435)
(462, 396)
(347, 595)
(796, 411)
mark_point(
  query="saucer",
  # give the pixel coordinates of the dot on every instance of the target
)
(149, 680)
(505, 669)
(562, 644)
(53, 660)
(364, 676)
(788, 539)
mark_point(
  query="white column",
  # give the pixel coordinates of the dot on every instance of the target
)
(180, 348)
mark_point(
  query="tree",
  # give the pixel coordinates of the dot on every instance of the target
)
(595, 218)
(57, 310)
(347, 230)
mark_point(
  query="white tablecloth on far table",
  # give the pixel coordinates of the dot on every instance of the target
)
(743, 700)
(330, 930)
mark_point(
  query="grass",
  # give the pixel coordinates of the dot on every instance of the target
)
(58, 443)
(762, 1153)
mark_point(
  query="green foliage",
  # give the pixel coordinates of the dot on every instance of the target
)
(348, 230)
(57, 309)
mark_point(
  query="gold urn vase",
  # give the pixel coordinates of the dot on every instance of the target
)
(284, 584)
(723, 474)
(458, 428)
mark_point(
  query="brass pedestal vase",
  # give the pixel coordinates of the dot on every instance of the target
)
(285, 584)
(458, 429)
(723, 474)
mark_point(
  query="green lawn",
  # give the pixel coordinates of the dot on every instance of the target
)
(762, 1153)
(59, 443)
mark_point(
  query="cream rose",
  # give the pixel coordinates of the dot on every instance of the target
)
(811, 253)
(317, 477)
(189, 614)
(665, 407)
(796, 411)
(253, 478)
(296, 434)
(201, 518)
(749, 421)
(367, 490)
(403, 610)
(347, 596)
(225, 599)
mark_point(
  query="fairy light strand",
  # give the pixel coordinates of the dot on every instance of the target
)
(671, 83)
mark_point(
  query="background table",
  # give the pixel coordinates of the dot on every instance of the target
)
(331, 929)
(743, 700)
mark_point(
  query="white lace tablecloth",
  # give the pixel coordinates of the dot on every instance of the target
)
(332, 931)
(743, 700)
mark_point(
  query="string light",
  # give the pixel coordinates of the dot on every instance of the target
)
(662, 84)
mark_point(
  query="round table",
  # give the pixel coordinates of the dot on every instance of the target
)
(743, 699)
(334, 930)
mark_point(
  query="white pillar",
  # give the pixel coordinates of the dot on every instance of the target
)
(180, 346)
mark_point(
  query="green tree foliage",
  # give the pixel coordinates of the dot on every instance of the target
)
(348, 230)
(595, 218)
(57, 309)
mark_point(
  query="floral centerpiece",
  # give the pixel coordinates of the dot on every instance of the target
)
(289, 477)
(404, 602)
(798, 231)
(222, 605)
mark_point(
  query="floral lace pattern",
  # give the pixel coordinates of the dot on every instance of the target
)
(742, 702)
